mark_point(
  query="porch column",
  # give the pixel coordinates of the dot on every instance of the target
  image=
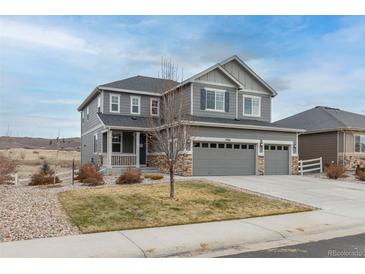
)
(137, 149)
(109, 148)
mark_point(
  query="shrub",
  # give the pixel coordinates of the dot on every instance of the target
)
(153, 176)
(335, 171)
(89, 175)
(130, 176)
(7, 168)
(361, 175)
(45, 176)
(359, 169)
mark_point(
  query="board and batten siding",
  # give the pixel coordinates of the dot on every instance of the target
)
(249, 82)
(216, 76)
(317, 145)
(243, 134)
(93, 120)
(125, 103)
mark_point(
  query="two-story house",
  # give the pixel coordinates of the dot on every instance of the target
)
(231, 129)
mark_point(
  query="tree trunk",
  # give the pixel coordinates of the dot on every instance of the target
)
(172, 182)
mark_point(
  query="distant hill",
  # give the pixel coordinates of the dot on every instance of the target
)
(39, 143)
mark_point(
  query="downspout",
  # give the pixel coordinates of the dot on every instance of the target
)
(344, 147)
(338, 147)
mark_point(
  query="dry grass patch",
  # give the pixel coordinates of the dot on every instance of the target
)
(139, 206)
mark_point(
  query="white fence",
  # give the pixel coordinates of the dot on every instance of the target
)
(310, 165)
(63, 176)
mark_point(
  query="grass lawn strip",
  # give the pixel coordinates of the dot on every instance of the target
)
(141, 206)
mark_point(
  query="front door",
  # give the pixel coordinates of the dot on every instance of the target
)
(142, 149)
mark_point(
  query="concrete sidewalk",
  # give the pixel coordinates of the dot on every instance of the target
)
(190, 240)
(341, 214)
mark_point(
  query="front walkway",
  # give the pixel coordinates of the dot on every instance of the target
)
(341, 214)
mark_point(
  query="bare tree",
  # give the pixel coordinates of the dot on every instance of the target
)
(170, 131)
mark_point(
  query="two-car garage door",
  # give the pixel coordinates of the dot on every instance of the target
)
(231, 159)
(224, 159)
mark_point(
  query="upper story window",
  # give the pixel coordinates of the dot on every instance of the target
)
(99, 103)
(155, 106)
(360, 143)
(135, 105)
(215, 100)
(251, 106)
(87, 113)
(114, 103)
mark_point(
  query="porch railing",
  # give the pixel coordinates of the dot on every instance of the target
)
(123, 160)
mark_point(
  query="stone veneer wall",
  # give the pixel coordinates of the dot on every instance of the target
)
(351, 161)
(184, 166)
(294, 165)
(261, 165)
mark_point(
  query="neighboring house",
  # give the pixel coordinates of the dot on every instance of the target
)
(231, 129)
(336, 135)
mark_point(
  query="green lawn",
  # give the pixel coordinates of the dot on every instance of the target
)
(139, 206)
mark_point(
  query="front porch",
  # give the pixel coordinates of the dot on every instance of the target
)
(121, 149)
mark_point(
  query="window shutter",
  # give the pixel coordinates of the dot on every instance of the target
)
(203, 100)
(226, 101)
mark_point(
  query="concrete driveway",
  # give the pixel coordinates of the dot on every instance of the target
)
(335, 197)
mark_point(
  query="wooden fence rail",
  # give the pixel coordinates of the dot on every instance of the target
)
(310, 165)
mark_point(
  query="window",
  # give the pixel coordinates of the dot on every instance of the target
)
(135, 105)
(251, 106)
(236, 146)
(155, 107)
(266, 147)
(360, 143)
(243, 146)
(220, 145)
(280, 148)
(286, 148)
(99, 103)
(196, 144)
(95, 143)
(229, 146)
(87, 113)
(215, 100)
(204, 144)
(272, 147)
(251, 147)
(213, 145)
(114, 103)
(116, 142)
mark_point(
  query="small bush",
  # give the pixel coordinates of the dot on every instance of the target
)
(153, 176)
(359, 169)
(130, 176)
(7, 168)
(45, 176)
(89, 175)
(361, 175)
(335, 171)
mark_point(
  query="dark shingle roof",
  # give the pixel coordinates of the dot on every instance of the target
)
(237, 122)
(143, 83)
(123, 120)
(321, 118)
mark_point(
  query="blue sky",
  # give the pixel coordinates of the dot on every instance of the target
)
(49, 64)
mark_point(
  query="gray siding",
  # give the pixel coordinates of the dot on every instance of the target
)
(87, 148)
(265, 104)
(216, 76)
(125, 103)
(265, 107)
(318, 145)
(197, 87)
(93, 119)
(244, 77)
(243, 134)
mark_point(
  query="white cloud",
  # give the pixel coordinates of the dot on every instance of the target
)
(43, 36)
